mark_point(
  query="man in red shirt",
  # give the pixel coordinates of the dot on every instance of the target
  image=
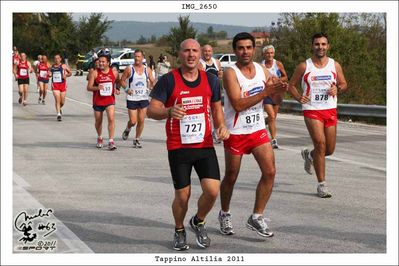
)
(187, 97)
(21, 73)
(102, 82)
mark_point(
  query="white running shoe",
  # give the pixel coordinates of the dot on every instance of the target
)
(308, 163)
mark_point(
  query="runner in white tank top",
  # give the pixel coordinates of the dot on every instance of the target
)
(276, 69)
(315, 84)
(251, 119)
(139, 85)
(137, 95)
(321, 78)
(246, 85)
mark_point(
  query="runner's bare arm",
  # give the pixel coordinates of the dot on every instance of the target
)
(49, 70)
(295, 79)
(90, 84)
(150, 77)
(117, 81)
(220, 72)
(68, 70)
(126, 73)
(341, 81)
(15, 70)
(284, 76)
(157, 110)
(30, 67)
(233, 91)
(218, 121)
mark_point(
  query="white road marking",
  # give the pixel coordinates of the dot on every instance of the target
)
(24, 198)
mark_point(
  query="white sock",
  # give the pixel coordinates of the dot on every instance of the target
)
(256, 215)
(100, 137)
(224, 213)
(59, 114)
(111, 140)
(322, 183)
(310, 156)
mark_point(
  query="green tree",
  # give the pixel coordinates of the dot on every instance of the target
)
(43, 33)
(221, 34)
(210, 32)
(204, 39)
(141, 40)
(162, 41)
(153, 39)
(179, 34)
(356, 44)
(91, 31)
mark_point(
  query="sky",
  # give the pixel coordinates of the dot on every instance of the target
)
(240, 19)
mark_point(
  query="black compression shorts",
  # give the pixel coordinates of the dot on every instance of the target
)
(181, 162)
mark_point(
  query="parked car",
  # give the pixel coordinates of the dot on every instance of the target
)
(226, 60)
(115, 53)
(120, 60)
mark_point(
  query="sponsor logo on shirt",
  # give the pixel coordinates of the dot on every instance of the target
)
(325, 77)
(253, 91)
(192, 100)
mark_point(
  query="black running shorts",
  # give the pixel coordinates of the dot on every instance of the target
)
(181, 162)
(23, 81)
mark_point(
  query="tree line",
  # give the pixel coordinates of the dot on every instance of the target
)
(52, 33)
(357, 42)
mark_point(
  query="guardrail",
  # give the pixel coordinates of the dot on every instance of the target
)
(372, 111)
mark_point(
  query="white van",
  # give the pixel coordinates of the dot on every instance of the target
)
(122, 59)
(226, 60)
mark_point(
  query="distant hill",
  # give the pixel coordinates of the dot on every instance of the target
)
(131, 30)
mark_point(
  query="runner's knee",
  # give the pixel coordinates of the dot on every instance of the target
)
(182, 198)
(329, 151)
(320, 145)
(270, 173)
(212, 192)
(230, 177)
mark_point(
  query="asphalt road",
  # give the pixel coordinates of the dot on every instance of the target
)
(120, 202)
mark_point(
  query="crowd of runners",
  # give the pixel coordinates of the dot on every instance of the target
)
(189, 99)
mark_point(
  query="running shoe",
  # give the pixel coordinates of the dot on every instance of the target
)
(59, 117)
(137, 144)
(226, 226)
(274, 144)
(180, 242)
(260, 226)
(201, 238)
(111, 146)
(125, 134)
(323, 192)
(39, 101)
(43, 102)
(99, 143)
(20, 100)
(24, 103)
(307, 161)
